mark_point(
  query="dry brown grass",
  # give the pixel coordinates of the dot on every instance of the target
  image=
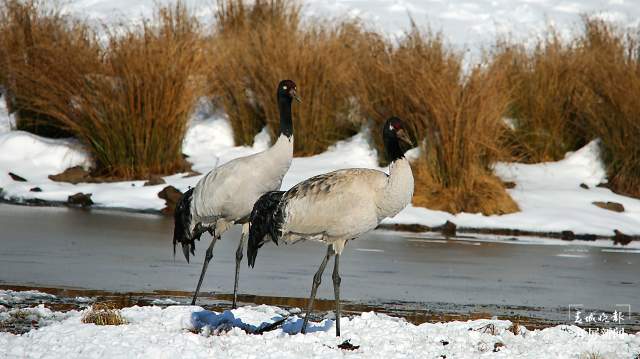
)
(127, 101)
(546, 90)
(458, 116)
(612, 75)
(258, 45)
(103, 314)
(25, 27)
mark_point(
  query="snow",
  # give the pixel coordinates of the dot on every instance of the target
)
(468, 25)
(192, 332)
(550, 200)
(12, 297)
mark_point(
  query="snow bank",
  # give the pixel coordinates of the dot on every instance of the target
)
(154, 332)
(468, 24)
(13, 297)
(550, 200)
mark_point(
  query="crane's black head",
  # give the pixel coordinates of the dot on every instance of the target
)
(393, 133)
(183, 228)
(287, 89)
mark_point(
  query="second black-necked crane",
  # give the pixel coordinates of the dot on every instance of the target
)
(334, 208)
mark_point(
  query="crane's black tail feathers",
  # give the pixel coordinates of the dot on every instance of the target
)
(182, 220)
(266, 220)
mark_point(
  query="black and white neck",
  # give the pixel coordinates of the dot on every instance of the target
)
(286, 122)
(392, 147)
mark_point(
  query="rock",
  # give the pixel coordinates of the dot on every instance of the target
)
(612, 206)
(509, 184)
(449, 229)
(74, 175)
(584, 186)
(80, 199)
(497, 346)
(16, 178)
(568, 236)
(36, 189)
(171, 196)
(154, 181)
(621, 238)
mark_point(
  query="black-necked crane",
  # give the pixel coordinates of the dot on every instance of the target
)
(225, 196)
(334, 208)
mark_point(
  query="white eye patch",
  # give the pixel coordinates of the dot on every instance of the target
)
(284, 87)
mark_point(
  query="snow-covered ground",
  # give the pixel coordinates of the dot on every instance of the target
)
(468, 24)
(549, 195)
(192, 332)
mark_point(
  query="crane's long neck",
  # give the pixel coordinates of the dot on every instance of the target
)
(286, 122)
(399, 187)
(398, 191)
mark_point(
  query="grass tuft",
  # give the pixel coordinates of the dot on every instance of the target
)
(459, 117)
(260, 44)
(128, 101)
(103, 314)
(612, 75)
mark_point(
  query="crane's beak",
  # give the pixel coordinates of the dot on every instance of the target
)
(294, 94)
(402, 135)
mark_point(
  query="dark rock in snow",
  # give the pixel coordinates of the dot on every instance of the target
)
(346, 345)
(497, 346)
(621, 238)
(568, 236)
(16, 178)
(612, 206)
(171, 196)
(36, 189)
(80, 199)
(449, 229)
(584, 186)
(509, 184)
(74, 175)
(154, 181)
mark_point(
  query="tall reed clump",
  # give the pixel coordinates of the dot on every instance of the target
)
(128, 101)
(260, 44)
(457, 117)
(25, 28)
(546, 111)
(612, 75)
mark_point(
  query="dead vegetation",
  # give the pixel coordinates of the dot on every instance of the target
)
(457, 118)
(103, 314)
(612, 76)
(128, 98)
(260, 44)
(127, 101)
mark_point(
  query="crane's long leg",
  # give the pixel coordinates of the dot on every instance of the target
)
(336, 290)
(317, 278)
(243, 238)
(207, 258)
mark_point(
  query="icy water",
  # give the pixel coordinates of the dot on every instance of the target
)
(128, 258)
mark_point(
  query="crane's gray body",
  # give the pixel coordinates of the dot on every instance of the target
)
(226, 195)
(341, 205)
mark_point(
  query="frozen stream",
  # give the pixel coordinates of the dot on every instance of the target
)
(125, 252)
